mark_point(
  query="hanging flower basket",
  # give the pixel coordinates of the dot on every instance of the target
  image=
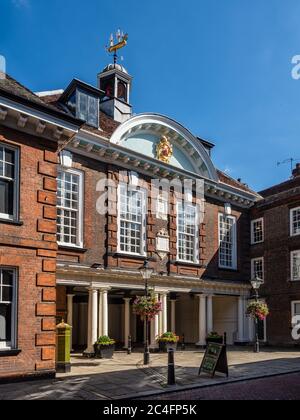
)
(258, 310)
(147, 307)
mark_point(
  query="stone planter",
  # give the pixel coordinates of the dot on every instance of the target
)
(104, 352)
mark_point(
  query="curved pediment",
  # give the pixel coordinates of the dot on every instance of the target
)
(143, 133)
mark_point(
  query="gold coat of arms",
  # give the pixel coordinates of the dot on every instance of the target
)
(164, 150)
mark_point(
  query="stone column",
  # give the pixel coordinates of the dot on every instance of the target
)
(100, 314)
(210, 316)
(93, 320)
(164, 312)
(126, 321)
(155, 329)
(173, 315)
(241, 319)
(202, 321)
(70, 316)
(105, 312)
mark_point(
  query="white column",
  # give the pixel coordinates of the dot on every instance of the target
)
(70, 316)
(164, 313)
(241, 318)
(202, 321)
(155, 329)
(126, 321)
(93, 320)
(100, 314)
(173, 315)
(210, 316)
(105, 312)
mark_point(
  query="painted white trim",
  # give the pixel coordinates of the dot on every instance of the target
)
(292, 265)
(253, 242)
(234, 242)
(14, 315)
(253, 260)
(49, 93)
(26, 110)
(16, 209)
(291, 222)
(81, 201)
(196, 237)
(169, 124)
(143, 251)
(293, 312)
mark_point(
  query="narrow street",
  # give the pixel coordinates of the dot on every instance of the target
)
(284, 387)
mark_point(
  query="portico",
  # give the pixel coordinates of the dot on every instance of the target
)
(95, 308)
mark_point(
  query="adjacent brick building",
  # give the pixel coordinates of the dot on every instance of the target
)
(276, 256)
(29, 132)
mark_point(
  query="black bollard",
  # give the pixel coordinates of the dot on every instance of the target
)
(225, 339)
(183, 343)
(129, 350)
(171, 368)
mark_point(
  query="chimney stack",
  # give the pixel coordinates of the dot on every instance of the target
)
(296, 171)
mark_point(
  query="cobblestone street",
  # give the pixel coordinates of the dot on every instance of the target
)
(126, 377)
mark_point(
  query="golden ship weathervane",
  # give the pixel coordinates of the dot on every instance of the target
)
(118, 44)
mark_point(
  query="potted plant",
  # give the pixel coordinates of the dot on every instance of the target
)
(168, 341)
(147, 307)
(104, 348)
(214, 337)
(258, 310)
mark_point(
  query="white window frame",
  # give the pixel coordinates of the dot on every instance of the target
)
(292, 265)
(5, 346)
(291, 222)
(253, 222)
(293, 303)
(16, 181)
(196, 257)
(143, 238)
(234, 242)
(79, 227)
(162, 207)
(263, 267)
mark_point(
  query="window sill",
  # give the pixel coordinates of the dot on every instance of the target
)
(129, 256)
(188, 264)
(9, 353)
(11, 222)
(71, 248)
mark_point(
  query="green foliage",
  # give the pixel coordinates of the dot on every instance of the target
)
(105, 341)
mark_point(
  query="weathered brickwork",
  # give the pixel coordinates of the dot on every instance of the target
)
(278, 289)
(30, 247)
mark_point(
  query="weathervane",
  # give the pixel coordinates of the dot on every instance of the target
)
(121, 42)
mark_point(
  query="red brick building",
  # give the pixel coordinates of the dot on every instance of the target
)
(88, 192)
(275, 253)
(30, 132)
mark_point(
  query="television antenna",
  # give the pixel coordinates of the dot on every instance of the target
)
(290, 160)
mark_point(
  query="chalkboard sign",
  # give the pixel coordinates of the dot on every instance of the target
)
(215, 360)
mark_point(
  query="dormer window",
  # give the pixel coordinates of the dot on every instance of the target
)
(88, 108)
(83, 102)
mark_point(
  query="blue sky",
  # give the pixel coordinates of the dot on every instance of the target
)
(220, 67)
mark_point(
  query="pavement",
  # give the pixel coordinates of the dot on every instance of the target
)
(125, 377)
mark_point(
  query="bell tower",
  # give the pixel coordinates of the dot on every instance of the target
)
(115, 82)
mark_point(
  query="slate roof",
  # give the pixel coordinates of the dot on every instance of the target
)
(14, 90)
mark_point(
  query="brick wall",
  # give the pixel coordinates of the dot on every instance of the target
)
(32, 249)
(278, 290)
(101, 241)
